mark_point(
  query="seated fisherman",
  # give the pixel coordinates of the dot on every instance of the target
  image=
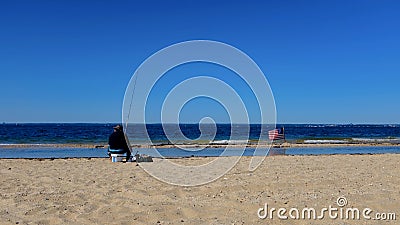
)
(117, 143)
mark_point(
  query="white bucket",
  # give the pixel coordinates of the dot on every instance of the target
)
(117, 157)
(132, 159)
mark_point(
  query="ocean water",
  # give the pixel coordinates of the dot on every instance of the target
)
(54, 133)
(97, 134)
(79, 133)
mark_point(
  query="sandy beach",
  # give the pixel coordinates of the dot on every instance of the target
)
(96, 191)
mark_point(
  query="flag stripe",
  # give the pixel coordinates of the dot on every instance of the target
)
(276, 134)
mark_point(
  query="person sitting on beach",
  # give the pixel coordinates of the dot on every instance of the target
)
(117, 143)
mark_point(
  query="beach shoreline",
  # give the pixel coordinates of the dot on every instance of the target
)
(262, 145)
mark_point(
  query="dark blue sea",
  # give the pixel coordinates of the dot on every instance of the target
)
(97, 134)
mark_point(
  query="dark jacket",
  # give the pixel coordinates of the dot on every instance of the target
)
(117, 141)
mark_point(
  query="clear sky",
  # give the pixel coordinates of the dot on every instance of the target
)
(326, 61)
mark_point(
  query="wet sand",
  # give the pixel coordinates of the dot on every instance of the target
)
(96, 191)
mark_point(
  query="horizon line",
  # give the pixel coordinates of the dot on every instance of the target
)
(286, 123)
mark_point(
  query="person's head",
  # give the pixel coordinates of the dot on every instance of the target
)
(118, 128)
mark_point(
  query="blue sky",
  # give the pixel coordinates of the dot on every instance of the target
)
(326, 61)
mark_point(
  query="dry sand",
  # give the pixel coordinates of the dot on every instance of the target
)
(96, 191)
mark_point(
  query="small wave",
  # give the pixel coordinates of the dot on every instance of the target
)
(377, 139)
(35, 144)
(229, 142)
(325, 141)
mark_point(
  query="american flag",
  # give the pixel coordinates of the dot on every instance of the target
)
(276, 134)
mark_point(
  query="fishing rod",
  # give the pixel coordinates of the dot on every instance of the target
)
(126, 123)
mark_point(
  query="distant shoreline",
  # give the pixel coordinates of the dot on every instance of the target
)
(283, 145)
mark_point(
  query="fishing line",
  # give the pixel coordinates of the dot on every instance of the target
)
(129, 114)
